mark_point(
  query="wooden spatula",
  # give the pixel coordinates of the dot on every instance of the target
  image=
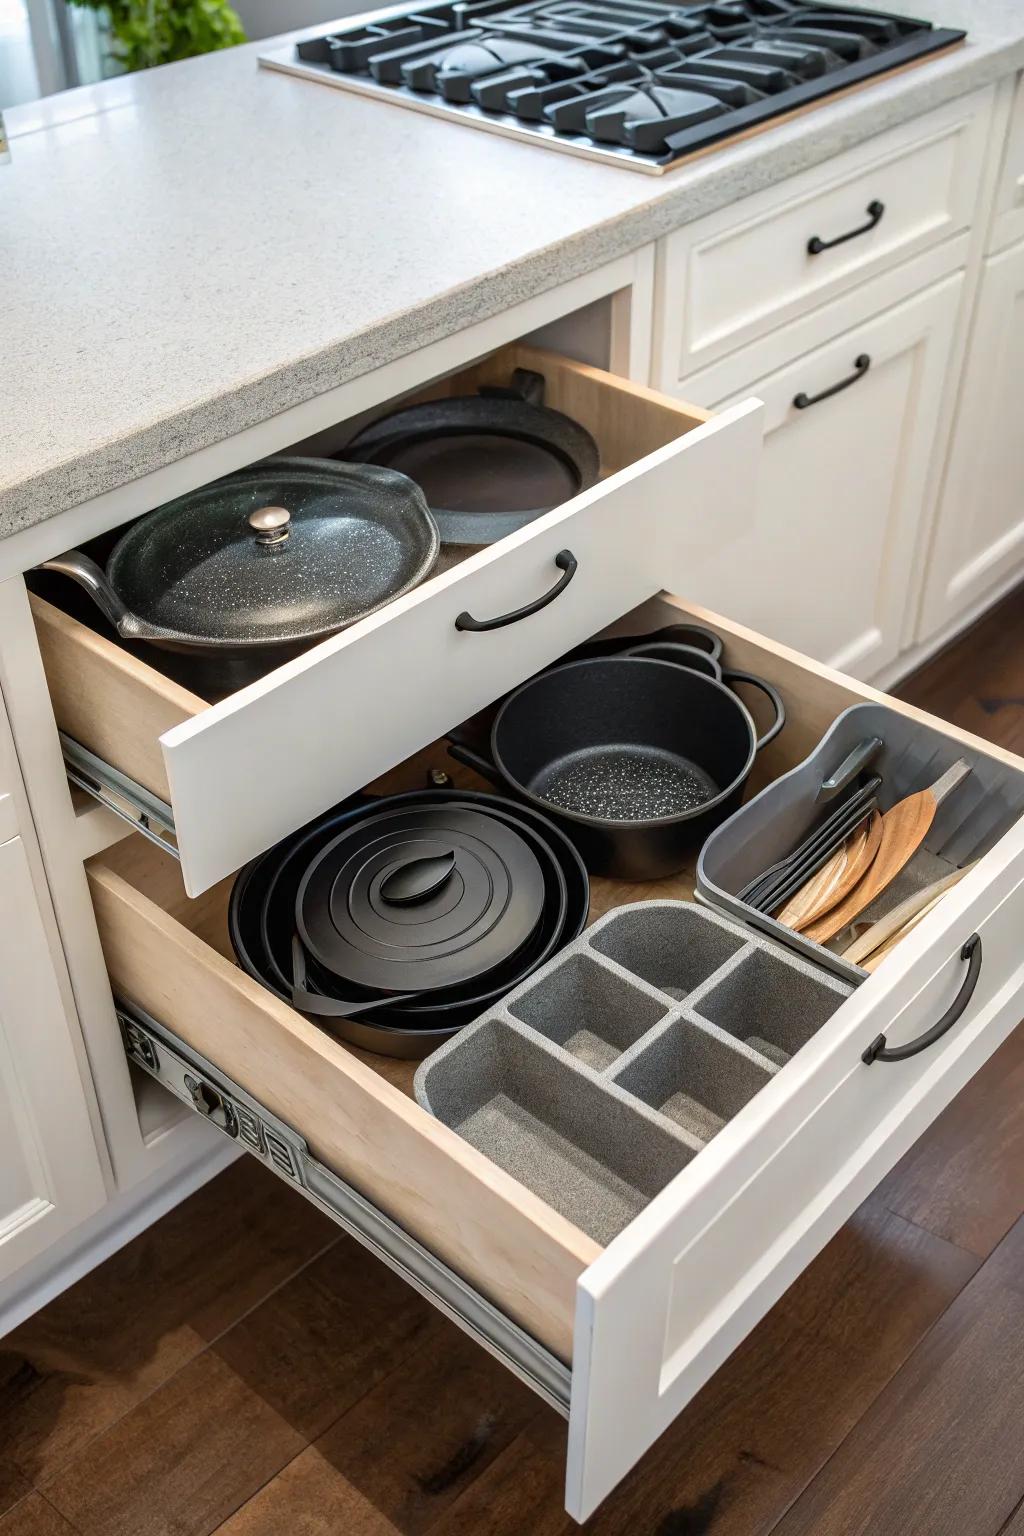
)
(879, 933)
(904, 828)
(837, 878)
(873, 961)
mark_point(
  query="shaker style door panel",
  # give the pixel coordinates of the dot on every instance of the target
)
(847, 467)
(979, 537)
(50, 1173)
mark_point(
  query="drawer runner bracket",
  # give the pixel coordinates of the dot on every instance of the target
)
(196, 1082)
(139, 807)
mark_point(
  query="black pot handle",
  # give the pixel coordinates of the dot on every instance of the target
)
(475, 760)
(879, 1051)
(566, 562)
(874, 211)
(771, 693)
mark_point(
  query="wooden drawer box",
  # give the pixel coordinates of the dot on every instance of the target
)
(645, 1321)
(365, 699)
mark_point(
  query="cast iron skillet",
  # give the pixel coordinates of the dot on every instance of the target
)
(261, 921)
(487, 463)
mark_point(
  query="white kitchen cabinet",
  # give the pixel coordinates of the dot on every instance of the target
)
(843, 487)
(979, 538)
(51, 1177)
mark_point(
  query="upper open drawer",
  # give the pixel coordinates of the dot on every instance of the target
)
(242, 773)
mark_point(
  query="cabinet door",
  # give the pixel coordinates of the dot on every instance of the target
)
(50, 1174)
(979, 538)
(842, 488)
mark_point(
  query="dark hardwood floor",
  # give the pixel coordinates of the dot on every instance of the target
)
(243, 1368)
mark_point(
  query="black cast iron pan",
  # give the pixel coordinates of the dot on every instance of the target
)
(488, 463)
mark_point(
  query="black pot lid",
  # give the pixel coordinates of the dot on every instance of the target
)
(288, 549)
(409, 901)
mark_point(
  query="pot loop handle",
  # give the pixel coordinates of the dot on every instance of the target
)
(729, 676)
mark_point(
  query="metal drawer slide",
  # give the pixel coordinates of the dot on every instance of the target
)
(197, 1083)
(137, 806)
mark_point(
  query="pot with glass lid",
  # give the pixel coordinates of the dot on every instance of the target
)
(245, 573)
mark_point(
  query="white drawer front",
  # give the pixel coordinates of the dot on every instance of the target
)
(246, 772)
(748, 269)
(671, 1298)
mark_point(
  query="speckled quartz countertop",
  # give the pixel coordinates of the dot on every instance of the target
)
(187, 252)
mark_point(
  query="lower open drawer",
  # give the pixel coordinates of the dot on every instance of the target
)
(645, 1320)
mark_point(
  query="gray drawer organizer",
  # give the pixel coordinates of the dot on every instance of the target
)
(970, 822)
(601, 1076)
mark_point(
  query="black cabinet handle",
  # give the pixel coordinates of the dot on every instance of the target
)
(816, 244)
(565, 560)
(879, 1051)
(860, 367)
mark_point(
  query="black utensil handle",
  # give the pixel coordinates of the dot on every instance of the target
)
(566, 562)
(874, 211)
(864, 753)
(771, 693)
(861, 365)
(879, 1051)
(475, 760)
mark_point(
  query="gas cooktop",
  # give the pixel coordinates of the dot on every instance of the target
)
(641, 82)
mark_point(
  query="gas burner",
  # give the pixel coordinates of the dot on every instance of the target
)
(643, 82)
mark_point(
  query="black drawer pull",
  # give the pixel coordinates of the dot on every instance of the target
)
(816, 244)
(565, 560)
(860, 367)
(878, 1051)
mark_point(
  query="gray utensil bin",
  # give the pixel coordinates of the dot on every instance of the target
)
(601, 1076)
(967, 824)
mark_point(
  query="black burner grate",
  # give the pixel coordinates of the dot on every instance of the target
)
(652, 80)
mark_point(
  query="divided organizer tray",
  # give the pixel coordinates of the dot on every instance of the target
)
(601, 1076)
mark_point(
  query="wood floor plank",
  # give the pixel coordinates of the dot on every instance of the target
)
(327, 1337)
(978, 681)
(964, 1179)
(13, 1486)
(1015, 1525)
(404, 1453)
(34, 1516)
(87, 1358)
(180, 1462)
(940, 1452)
(739, 1455)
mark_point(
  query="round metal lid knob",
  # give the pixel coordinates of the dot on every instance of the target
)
(271, 525)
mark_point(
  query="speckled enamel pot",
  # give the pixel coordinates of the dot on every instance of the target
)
(636, 760)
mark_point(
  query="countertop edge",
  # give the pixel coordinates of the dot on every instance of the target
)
(753, 166)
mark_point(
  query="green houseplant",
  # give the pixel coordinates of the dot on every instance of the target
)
(149, 32)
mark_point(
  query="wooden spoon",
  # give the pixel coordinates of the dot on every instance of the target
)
(834, 880)
(904, 828)
(879, 933)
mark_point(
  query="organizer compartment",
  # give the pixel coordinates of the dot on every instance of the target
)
(589, 1011)
(671, 945)
(594, 1086)
(771, 1007)
(583, 1149)
(967, 825)
(693, 1077)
